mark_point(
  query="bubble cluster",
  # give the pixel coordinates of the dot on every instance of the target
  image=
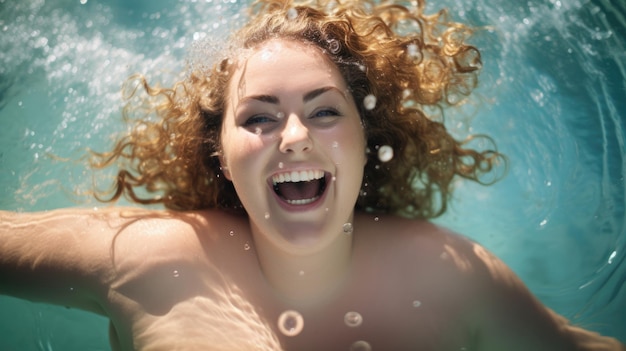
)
(385, 153)
(290, 323)
(369, 102)
(353, 319)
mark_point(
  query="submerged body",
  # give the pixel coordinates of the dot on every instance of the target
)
(174, 281)
(286, 139)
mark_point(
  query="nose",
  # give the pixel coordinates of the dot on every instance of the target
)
(295, 136)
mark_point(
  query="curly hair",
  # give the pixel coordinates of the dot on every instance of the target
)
(404, 58)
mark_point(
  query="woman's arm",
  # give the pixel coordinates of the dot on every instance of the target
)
(511, 318)
(61, 257)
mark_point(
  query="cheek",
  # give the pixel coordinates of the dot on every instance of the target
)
(241, 152)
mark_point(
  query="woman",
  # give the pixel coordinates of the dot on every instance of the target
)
(289, 170)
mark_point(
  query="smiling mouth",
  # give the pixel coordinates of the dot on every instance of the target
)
(299, 187)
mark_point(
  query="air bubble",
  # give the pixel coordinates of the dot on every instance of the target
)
(376, 219)
(280, 115)
(257, 131)
(353, 319)
(176, 274)
(369, 102)
(347, 228)
(290, 323)
(246, 246)
(292, 14)
(385, 153)
(360, 346)
(231, 233)
(267, 215)
(417, 303)
(335, 144)
(413, 51)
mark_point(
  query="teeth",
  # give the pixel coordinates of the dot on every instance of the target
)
(297, 176)
(303, 201)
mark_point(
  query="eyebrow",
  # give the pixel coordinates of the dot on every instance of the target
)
(306, 98)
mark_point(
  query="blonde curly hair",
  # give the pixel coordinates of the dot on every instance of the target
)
(406, 59)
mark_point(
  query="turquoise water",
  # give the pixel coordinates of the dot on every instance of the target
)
(553, 96)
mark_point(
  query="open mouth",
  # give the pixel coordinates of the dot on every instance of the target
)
(299, 187)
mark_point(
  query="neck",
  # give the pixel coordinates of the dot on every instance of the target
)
(304, 277)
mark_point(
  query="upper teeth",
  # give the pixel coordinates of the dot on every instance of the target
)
(297, 176)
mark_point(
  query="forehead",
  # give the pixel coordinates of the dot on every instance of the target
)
(279, 65)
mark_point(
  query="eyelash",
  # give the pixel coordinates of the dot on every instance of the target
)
(256, 120)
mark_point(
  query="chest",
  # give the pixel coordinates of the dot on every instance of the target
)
(376, 314)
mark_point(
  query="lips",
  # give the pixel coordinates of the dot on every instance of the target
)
(299, 187)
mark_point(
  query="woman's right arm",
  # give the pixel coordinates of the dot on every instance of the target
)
(62, 256)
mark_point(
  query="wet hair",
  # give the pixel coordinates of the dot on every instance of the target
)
(401, 59)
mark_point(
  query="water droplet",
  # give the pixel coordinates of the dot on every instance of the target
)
(360, 346)
(267, 215)
(281, 165)
(246, 246)
(335, 144)
(347, 228)
(292, 14)
(369, 102)
(258, 131)
(414, 52)
(376, 219)
(290, 323)
(333, 178)
(72, 289)
(280, 115)
(231, 233)
(353, 319)
(385, 153)
(417, 303)
(176, 274)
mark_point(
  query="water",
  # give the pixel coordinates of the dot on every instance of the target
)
(553, 88)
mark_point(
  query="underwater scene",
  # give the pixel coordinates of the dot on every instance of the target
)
(552, 96)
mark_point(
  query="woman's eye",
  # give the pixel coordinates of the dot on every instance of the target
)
(327, 112)
(259, 119)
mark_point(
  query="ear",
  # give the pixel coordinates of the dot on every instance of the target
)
(224, 166)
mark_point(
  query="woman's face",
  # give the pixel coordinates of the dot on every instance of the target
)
(293, 144)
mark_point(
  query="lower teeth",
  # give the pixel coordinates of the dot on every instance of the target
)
(302, 201)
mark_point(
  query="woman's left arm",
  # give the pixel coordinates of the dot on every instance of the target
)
(511, 318)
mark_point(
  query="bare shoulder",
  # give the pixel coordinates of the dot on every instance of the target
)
(472, 285)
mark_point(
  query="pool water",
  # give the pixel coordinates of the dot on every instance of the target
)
(552, 95)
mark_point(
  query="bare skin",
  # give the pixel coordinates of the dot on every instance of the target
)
(213, 281)
(156, 275)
